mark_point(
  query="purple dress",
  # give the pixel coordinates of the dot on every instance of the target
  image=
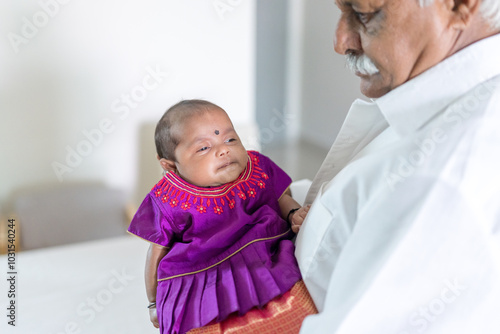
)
(230, 248)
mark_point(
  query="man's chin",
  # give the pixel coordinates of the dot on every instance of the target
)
(371, 86)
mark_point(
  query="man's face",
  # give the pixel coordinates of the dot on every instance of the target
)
(400, 38)
(210, 152)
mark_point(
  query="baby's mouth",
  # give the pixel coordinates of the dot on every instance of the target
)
(224, 165)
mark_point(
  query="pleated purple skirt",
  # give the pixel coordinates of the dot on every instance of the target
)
(249, 278)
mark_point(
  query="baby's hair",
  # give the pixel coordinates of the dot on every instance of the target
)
(166, 139)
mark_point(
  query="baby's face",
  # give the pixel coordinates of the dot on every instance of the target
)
(210, 152)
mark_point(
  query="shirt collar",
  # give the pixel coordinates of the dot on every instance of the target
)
(411, 105)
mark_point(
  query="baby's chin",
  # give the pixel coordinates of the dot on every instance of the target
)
(216, 183)
(227, 175)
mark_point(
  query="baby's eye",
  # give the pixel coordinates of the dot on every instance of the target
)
(203, 149)
(230, 140)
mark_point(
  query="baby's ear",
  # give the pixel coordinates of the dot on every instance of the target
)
(167, 165)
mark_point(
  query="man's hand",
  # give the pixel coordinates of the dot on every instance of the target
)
(154, 317)
(298, 218)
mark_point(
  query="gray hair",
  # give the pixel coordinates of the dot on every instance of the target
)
(490, 10)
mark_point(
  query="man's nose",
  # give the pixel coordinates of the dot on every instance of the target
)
(346, 39)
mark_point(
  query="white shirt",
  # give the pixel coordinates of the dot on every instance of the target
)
(404, 233)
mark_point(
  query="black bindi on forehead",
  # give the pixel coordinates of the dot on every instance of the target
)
(217, 132)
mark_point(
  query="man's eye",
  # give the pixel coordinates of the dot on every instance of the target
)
(364, 18)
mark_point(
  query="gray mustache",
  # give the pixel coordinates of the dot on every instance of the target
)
(361, 64)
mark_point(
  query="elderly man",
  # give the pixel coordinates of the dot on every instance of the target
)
(403, 235)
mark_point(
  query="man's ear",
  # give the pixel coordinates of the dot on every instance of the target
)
(167, 165)
(463, 12)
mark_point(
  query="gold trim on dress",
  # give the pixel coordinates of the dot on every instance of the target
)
(154, 243)
(229, 256)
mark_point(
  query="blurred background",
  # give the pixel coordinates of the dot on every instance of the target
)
(82, 85)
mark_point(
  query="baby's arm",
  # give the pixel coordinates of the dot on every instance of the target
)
(155, 254)
(296, 218)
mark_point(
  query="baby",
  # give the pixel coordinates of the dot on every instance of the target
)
(220, 223)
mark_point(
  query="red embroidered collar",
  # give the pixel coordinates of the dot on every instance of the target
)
(175, 191)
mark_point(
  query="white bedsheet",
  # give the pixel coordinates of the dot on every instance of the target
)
(92, 287)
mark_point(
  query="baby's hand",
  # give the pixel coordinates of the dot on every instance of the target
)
(298, 218)
(154, 317)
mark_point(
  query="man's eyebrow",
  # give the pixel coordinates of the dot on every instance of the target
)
(343, 3)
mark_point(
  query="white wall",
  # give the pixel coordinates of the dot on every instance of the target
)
(327, 88)
(271, 54)
(74, 71)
